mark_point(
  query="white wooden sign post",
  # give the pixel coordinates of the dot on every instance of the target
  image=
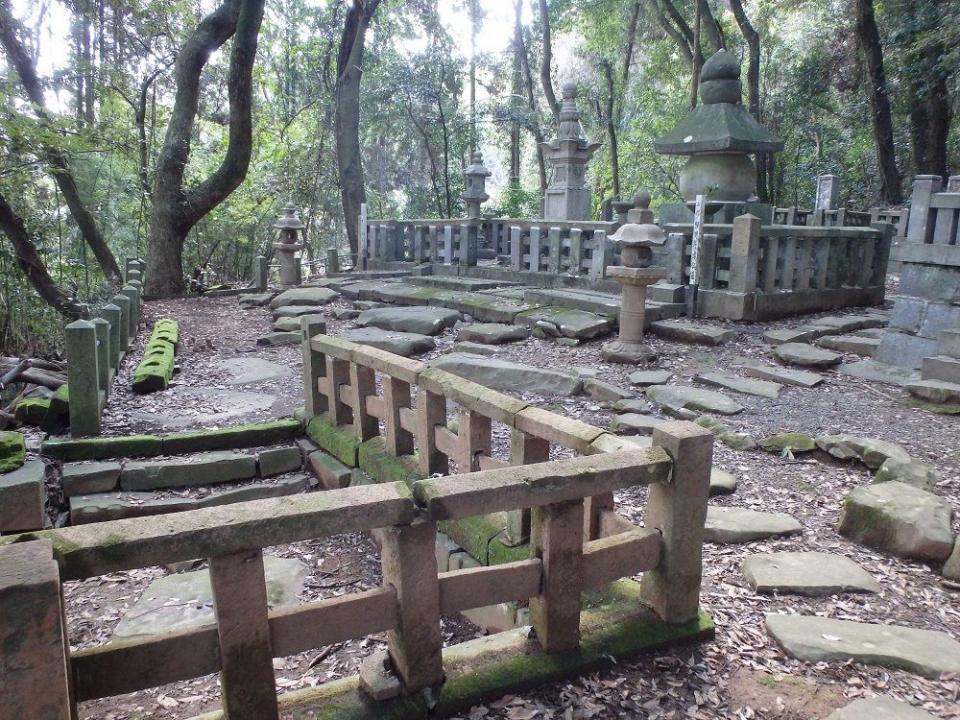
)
(695, 246)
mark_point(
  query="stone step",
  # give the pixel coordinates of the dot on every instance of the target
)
(935, 391)
(818, 639)
(206, 469)
(851, 344)
(459, 282)
(948, 343)
(941, 367)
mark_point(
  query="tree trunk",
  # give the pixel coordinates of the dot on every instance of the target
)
(697, 56)
(545, 65)
(710, 24)
(612, 130)
(675, 26)
(868, 37)
(753, 87)
(534, 122)
(57, 160)
(31, 264)
(347, 115)
(515, 89)
(177, 209)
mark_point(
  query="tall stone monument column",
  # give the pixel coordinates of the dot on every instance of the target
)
(475, 187)
(288, 245)
(568, 197)
(828, 192)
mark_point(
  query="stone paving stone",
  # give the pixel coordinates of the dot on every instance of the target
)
(681, 396)
(851, 344)
(806, 355)
(880, 372)
(85, 478)
(806, 573)
(688, 332)
(728, 525)
(748, 386)
(474, 348)
(249, 370)
(274, 339)
(304, 296)
(492, 333)
(399, 343)
(650, 377)
(780, 374)
(635, 424)
(879, 708)
(423, 320)
(508, 376)
(569, 323)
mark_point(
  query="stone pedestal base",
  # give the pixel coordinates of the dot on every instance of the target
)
(627, 353)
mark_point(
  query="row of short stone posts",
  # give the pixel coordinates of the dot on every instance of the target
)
(94, 349)
(921, 222)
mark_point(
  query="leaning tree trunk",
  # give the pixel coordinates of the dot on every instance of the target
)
(868, 36)
(753, 87)
(347, 116)
(177, 209)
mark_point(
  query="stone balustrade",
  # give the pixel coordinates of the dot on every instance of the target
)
(577, 542)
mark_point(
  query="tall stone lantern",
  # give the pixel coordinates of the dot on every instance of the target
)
(568, 197)
(719, 135)
(475, 191)
(288, 245)
(637, 238)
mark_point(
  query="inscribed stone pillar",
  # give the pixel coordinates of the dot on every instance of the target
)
(828, 192)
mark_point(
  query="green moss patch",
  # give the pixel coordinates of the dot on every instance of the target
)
(31, 411)
(13, 451)
(156, 369)
(374, 459)
(792, 441)
(340, 443)
(480, 536)
(57, 418)
(228, 438)
(99, 448)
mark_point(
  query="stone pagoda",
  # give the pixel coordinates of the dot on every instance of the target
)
(475, 181)
(568, 197)
(288, 245)
(719, 135)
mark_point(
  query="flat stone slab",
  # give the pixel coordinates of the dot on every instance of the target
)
(645, 378)
(688, 332)
(806, 573)
(680, 396)
(286, 324)
(606, 304)
(602, 391)
(399, 343)
(635, 424)
(818, 639)
(457, 282)
(207, 406)
(509, 376)
(274, 339)
(92, 477)
(728, 525)
(249, 370)
(295, 311)
(872, 452)
(485, 308)
(473, 348)
(935, 391)
(849, 323)
(632, 405)
(184, 601)
(204, 469)
(250, 300)
(304, 296)
(912, 472)
(850, 344)
(880, 372)
(899, 519)
(781, 375)
(722, 482)
(879, 708)
(789, 335)
(748, 386)
(569, 323)
(422, 320)
(806, 355)
(492, 333)
(795, 442)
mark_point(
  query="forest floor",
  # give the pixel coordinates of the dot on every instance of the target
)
(740, 674)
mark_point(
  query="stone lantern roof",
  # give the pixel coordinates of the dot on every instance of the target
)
(720, 123)
(288, 218)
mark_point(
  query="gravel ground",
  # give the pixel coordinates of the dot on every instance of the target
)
(741, 674)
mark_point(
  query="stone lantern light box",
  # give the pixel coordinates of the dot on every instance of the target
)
(288, 245)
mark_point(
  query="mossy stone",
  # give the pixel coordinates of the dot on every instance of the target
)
(792, 441)
(57, 418)
(13, 451)
(229, 438)
(31, 411)
(342, 444)
(480, 536)
(99, 448)
(374, 459)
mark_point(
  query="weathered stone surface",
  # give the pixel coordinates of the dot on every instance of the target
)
(509, 376)
(912, 472)
(627, 353)
(295, 311)
(399, 343)
(761, 388)
(806, 355)
(249, 370)
(725, 434)
(184, 601)
(789, 335)
(84, 478)
(567, 323)
(782, 375)
(872, 452)
(793, 441)
(951, 568)
(277, 461)
(848, 323)
(424, 320)
(345, 313)
(817, 639)
(851, 344)
(207, 469)
(899, 519)
(688, 332)
(727, 525)
(255, 299)
(806, 573)
(304, 296)
(935, 391)
(492, 333)
(331, 473)
(286, 324)
(13, 451)
(879, 708)
(880, 372)
(280, 338)
(606, 392)
(211, 406)
(634, 424)
(681, 396)
(645, 378)
(377, 680)
(632, 405)
(722, 482)
(21, 498)
(474, 348)
(230, 437)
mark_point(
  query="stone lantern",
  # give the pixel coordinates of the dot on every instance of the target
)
(637, 238)
(475, 192)
(568, 197)
(288, 245)
(719, 135)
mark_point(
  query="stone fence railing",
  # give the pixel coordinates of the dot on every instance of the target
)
(842, 217)
(753, 272)
(935, 213)
(94, 349)
(577, 542)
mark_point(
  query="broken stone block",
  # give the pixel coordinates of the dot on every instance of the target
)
(634, 424)
(935, 391)
(509, 376)
(722, 482)
(332, 473)
(872, 452)
(474, 348)
(277, 461)
(795, 442)
(251, 300)
(85, 478)
(423, 320)
(274, 339)
(377, 678)
(304, 296)
(912, 472)
(21, 498)
(645, 378)
(782, 375)
(850, 344)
